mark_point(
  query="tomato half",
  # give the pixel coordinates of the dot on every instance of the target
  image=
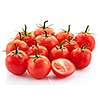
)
(62, 67)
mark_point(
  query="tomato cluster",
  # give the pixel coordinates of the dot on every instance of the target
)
(42, 50)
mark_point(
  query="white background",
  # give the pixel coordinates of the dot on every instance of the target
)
(82, 85)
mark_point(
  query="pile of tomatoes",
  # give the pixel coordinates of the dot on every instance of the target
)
(42, 50)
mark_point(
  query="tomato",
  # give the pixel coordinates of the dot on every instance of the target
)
(20, 44)
(41, 30)
(64, 35)
(85, 37)
(62, 67)
(58, 52)
(47, 40)
(27, 37)
(81, 57)
(16, 62)
(41, 50)
(39, 66)
(70, 44)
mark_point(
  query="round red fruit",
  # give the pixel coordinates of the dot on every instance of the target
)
(16, 62)
(42, 28)
(39, 66)
(64, 35)
(85, 37)
(81, 57)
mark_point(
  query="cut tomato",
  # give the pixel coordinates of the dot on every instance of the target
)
(62, 67)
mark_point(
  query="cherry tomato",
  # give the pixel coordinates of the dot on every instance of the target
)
(62, 67)
(49, 41)
(85, 37)
(20, 44)
(64, 35)
(58, 52)
(39, 66)
(70, 44)
(41, 50)
(41, 30)
(81, 57)
(16, 62)
(27, 37)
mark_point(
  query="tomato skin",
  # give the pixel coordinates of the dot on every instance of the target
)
(21, 46)
(64, 35)
(62, 67)
(85, 38)
(58, 53)
(41, 50)
(49, 42)
(41, 31)
(16, 64)
(39, 68)
(71, 45)
(80, 58)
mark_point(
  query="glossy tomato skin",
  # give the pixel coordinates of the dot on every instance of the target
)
(41, 31)
(49, 42)
(71, 45)
(29, 38)
(64, 35)
(41, 50)
(62, 67)
(16, 63)
(56, 52)
(81, 58)
(20, 44)
(39, 68)
(85, 38)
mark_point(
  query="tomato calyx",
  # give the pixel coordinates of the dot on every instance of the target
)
(44, 25)
(25, 31)
(83, 47)
(16, 52)
(46, 35)
(67, 31)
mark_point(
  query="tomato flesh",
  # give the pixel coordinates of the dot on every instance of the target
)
(62, 67)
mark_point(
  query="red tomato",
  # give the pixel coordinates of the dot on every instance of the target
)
(85, 37)
(26, 37)
(20, 44)
(41, 30)
(64, 35)
(16, 62)
(58, 52)
(70, 45)
(49, 41)
(39, 66)
(62, 67)
(41, 50)
(81, 57)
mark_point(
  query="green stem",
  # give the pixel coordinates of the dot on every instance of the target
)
(46, 34)
(69, 28)
(16, 48)
(36, 44)
(20, 37)
(25, 31)
(87, 28)
(69, 39)
(44, 24)
(61, 44)
(83, 46)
